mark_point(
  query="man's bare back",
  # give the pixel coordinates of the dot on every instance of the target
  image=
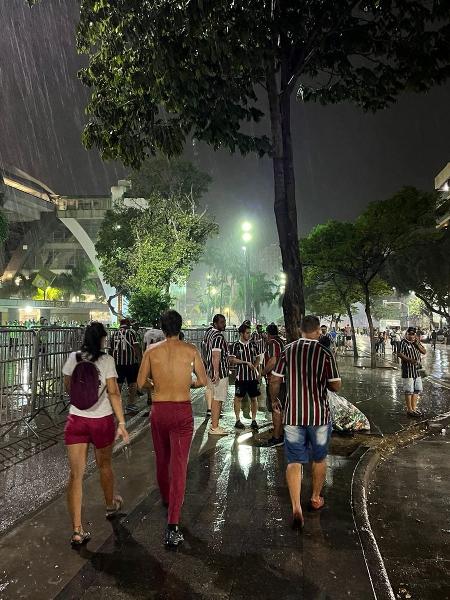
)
(169, 365)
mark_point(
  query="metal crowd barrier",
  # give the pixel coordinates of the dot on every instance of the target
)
(31, 362)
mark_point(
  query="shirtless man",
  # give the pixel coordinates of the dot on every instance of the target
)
(169, 365)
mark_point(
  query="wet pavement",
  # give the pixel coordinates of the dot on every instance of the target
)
(409, 510)
(235, 518)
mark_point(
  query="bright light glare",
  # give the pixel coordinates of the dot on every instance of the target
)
(246, 236)
(213, 291)
(246, 226)
(244, 248)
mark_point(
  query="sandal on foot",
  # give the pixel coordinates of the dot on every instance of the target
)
(114, 510)
(316, 505)
(82, 538)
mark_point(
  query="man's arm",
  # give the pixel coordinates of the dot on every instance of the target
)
(270, 365)
(199, 370)
(407, 359)
(216, 364)
(145, 371)
(420, 347)
(334, 382)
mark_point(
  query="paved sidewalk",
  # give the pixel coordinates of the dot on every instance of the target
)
(409, 511)
(236, 519)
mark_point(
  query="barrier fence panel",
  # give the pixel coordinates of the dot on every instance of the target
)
(53, 347)
(17, 352)
(31, 363)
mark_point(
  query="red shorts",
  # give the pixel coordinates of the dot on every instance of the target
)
(85, 430)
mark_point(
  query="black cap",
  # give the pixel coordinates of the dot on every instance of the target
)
(411, 330)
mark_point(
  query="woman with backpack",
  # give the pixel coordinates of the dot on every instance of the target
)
(90, 379)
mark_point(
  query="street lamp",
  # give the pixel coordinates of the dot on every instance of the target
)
(246, 236)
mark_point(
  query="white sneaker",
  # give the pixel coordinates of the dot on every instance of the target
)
(217, 431)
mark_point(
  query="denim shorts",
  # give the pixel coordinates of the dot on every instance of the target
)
(412, 385)
(306, 444)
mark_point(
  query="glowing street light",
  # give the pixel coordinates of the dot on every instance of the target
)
(246, 236)
(246, 226)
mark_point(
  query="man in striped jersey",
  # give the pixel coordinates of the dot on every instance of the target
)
(245, 355)
(309, 370)
(127, 355)
(274, 348)
(409, 353)
(215, 357)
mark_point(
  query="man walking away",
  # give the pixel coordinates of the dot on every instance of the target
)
(245, 354)
(433, 339)
(126, 352)
(309, 370)
(275, 405)
(169, 365)
(217, 370)
(409, 353)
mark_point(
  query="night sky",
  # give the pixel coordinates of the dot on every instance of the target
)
(344, 158)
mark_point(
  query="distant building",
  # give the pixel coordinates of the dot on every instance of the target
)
(442, 185)
(49, 233)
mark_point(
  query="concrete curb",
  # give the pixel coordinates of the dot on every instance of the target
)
(362, 476)
(379, 580)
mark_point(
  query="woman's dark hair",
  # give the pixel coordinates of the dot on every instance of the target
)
(243, 328)
(171, 322)
(92, 341)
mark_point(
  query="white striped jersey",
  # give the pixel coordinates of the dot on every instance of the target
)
(122, 350)
(247, 351)
(410, 351)
(214, 341)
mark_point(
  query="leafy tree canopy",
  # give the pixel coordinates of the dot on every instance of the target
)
(425, 269)
(152, 245)
(162, 71)
(146, 305)
(168, 177)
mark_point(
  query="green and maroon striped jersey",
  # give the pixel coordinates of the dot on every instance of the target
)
(307, 367)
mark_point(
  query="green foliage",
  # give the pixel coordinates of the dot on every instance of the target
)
(152, 245)
(147, 305)
(425, 269)
(160, 72)
(262, 291)
(4, 227)
(169, 177)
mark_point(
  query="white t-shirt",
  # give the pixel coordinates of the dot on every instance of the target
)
(107, 369)
(151, 336)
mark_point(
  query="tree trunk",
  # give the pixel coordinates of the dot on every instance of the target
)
(373, 357)
(350, 316)
(285, 207)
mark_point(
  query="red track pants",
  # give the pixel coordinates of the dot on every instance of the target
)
(172, 427)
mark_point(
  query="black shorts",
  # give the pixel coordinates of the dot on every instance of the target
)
(247, 387)
(281, 396)
(127, 373)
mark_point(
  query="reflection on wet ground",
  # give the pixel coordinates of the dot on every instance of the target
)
(239, 543)
(410, 515)
(235, 519)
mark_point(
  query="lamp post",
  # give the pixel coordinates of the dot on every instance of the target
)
(246, 236)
